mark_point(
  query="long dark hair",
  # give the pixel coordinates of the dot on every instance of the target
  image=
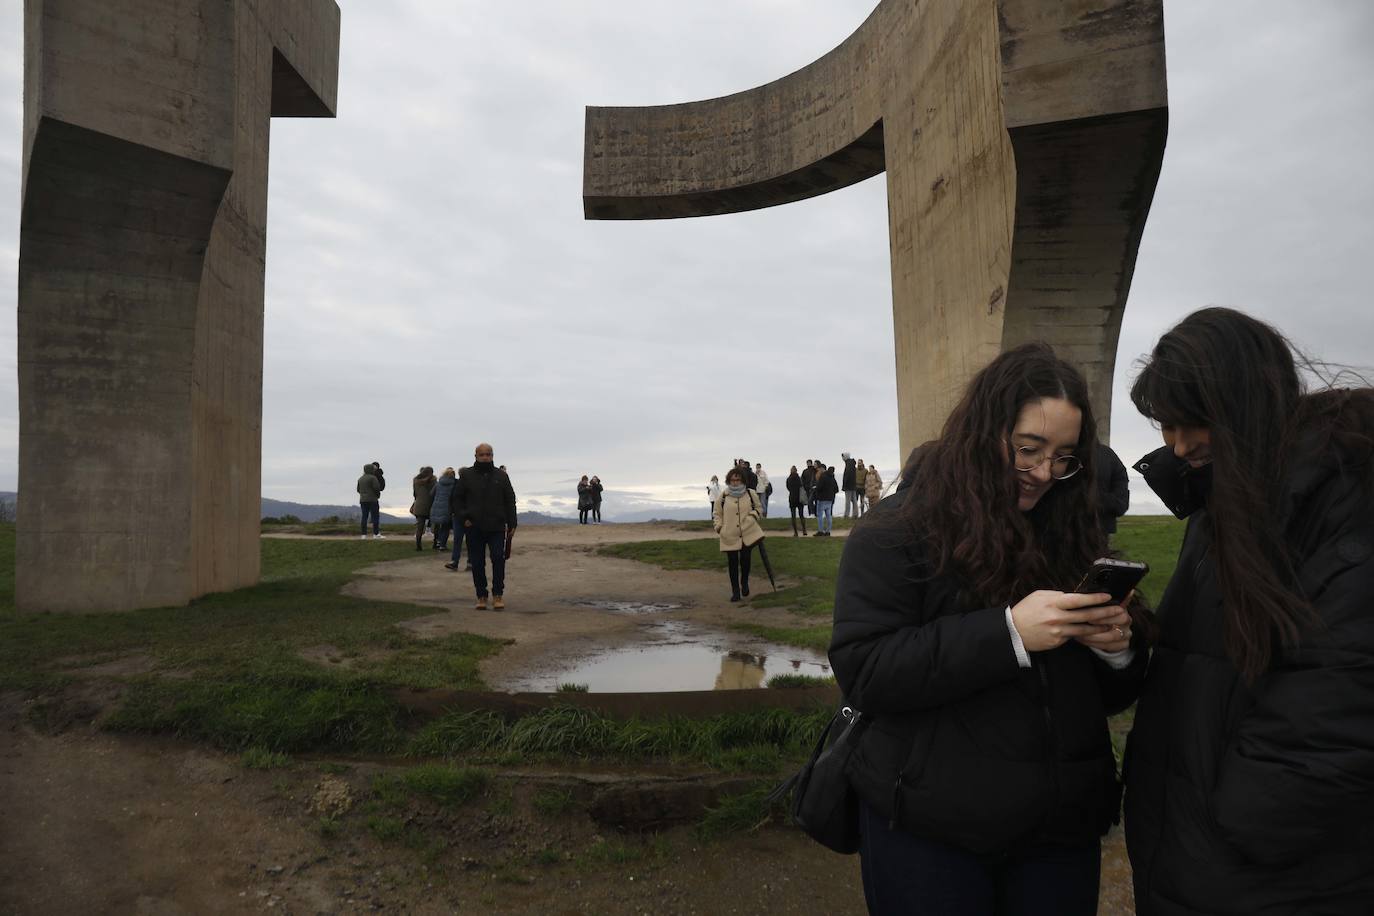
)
(1238, 377)
(964, 499)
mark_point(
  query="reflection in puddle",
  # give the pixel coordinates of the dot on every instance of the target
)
(678, 658)
(627, 607)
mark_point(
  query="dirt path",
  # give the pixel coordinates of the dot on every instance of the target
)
(560, 597)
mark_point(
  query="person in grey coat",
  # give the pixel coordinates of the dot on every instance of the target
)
(370, 499)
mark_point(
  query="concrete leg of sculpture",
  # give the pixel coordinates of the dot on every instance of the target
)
(1022, 141)
(142, 250)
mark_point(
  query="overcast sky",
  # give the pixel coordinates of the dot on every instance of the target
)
(431, 281)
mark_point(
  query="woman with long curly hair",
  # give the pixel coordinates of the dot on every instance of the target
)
(1250, 768)
(986, 774)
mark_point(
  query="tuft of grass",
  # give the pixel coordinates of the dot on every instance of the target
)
(449, 786)
(386, 829)
(798, 681)
(746, 811)
(573, 688)
(815, 637)
(553, 803)
(737, 741)
(547, 856)
(604, 852)
(260, 758)
(328, 828)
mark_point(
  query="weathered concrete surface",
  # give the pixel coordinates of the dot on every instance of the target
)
(141, 270)
(1022, 140)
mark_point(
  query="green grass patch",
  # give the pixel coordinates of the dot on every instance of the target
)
(386, 829)
(553, 803)
(1154, 539)
(755, 741)
(573, 688)
(449, 786)
(228, 668)
(745, 811)
(798, 681)
(260, 758)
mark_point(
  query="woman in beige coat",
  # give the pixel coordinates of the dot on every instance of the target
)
(873, 487)
(736, 517)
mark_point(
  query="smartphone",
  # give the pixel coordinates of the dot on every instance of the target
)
(1115, 577)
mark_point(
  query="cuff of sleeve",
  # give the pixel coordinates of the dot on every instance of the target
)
(1119, 661)
(1022, 656)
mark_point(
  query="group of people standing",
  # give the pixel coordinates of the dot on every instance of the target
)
(475, 504)
(589, 491)
(984, 767)
(814, 490)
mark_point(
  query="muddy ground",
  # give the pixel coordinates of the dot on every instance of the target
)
(97, 823)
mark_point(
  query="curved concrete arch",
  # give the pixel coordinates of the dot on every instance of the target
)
(1022, 141)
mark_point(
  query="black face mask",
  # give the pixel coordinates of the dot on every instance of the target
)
(1183, 488)
(485, 467)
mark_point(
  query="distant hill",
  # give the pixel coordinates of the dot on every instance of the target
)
(276, 508)
(540, 518)
(664, 513)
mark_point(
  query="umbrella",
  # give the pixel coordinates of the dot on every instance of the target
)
(510, 536)
(767, 567)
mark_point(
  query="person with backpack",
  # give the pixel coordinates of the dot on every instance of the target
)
(736, 519)
(1250, 764)
(985, 775)
(796, 501)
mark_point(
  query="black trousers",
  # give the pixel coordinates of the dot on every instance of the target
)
(479, 542)
(582, 516)
(596, 512)
(739, 568)
(798, 512)
(905, 874)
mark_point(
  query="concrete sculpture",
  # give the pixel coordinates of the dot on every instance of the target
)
(1022, 141)
(141, 269)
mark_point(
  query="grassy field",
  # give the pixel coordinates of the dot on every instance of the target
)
(229, 667)
(813, 564)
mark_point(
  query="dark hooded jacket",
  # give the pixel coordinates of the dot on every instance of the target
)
(1259, 800)
(825, 489)
(849, 475)
(795, 498)
(964, 746)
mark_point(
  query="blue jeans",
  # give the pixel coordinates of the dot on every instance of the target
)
(459, 536)
(825, 515)
(373, 510)
(904, 874)
(479, 542)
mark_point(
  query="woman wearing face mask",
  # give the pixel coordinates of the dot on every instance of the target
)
(736, 518)
(1250, 767)
(986, 773)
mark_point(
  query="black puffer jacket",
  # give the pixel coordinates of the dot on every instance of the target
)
(966, 747)
(1259, 801)
(484, 497)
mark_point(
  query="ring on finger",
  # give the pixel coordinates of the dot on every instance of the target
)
(1120, 632)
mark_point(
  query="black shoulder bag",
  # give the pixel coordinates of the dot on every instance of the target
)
(823, 803)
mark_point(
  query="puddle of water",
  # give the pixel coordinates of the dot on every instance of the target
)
(627, 607)
(679, 658)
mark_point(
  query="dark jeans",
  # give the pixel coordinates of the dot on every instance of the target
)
(596, 512)
(374, 510)
(459, 536)
(479, 542)
(441, 532)
(739, 568)
(798, 512)
(903, 874)
(582, 516)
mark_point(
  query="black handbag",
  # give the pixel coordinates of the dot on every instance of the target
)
(824, 805)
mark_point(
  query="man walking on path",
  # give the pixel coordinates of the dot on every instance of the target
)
(847, 484)
(370, 487)
(763, 488)
(860, 477)
(485, 502)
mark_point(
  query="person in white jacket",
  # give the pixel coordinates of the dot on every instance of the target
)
(762, 488)
(713, 491)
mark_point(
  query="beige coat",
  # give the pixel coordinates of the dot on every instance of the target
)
(873, 486)
(737, 520)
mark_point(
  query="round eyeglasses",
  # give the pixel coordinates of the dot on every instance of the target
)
(1061, 468)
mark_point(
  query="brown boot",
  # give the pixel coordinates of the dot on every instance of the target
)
(481, 604)
(498, 603)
